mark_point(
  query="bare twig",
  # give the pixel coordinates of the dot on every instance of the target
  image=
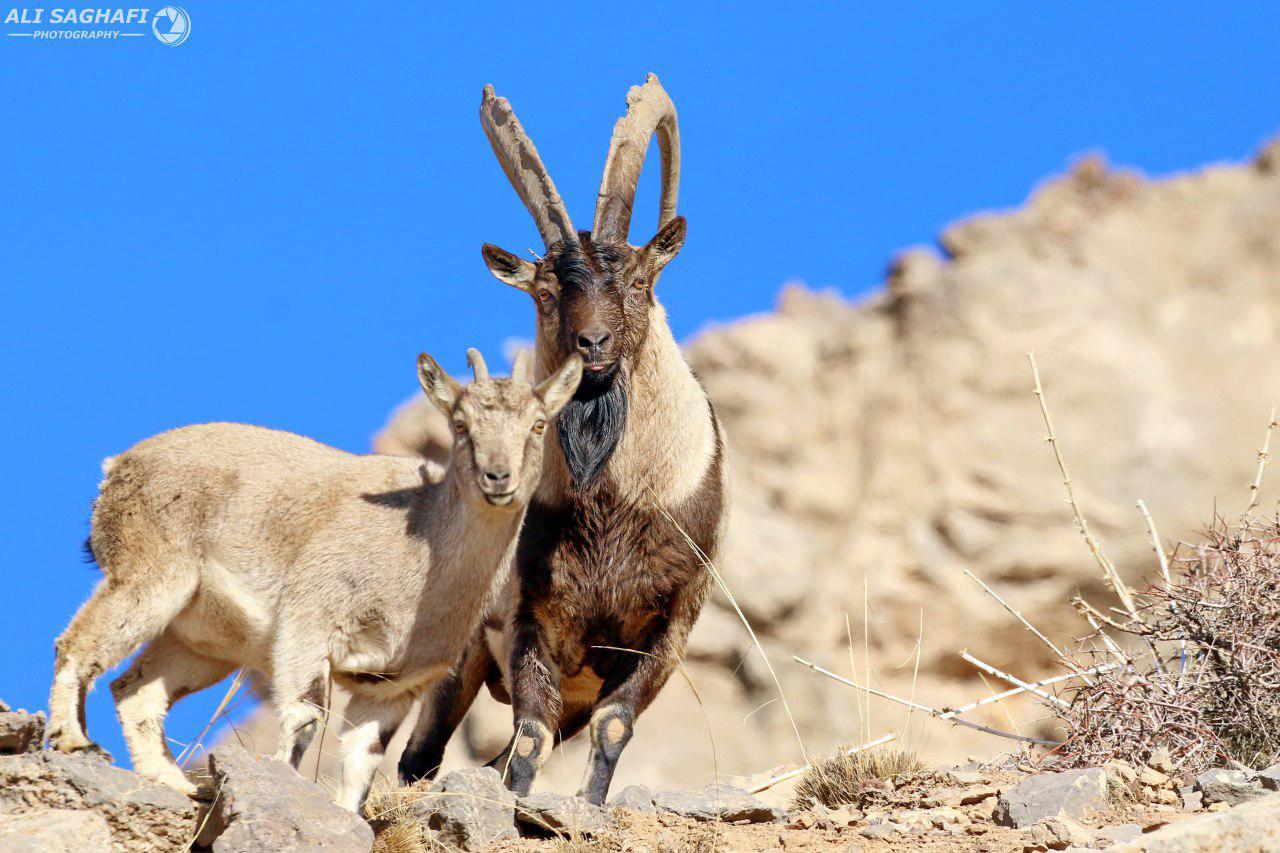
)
(1263, 454)
(951, 716)
(1017, 614)
(1017, 682)
(1108, 570)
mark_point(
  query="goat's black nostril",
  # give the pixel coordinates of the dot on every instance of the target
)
(496, 478)
(593, 338)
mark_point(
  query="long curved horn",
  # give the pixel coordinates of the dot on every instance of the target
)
(479, 369)
(524, 169)
(649, 110)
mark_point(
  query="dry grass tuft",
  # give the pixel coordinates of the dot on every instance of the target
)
(839, 779)
(405, 837)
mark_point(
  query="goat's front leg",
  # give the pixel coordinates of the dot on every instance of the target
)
(443, 708)
(372, 723)
(299, 676)
(536, 707)
(630, 691)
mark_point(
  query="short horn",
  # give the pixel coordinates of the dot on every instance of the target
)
(649, 111)
(479, 369)
(520, 367)
(524, 169)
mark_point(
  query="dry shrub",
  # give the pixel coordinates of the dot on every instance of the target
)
(1211, 692)
(839, 779)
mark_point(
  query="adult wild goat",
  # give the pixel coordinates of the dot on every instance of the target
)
(225, 545)
(609, 574)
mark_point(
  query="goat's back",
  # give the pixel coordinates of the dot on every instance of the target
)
(246, 493)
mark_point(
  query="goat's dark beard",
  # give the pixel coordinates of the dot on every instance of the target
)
(591, 425)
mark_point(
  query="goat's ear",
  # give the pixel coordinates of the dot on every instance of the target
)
(665, 245)
(558, 388)
(509, 269)
(441, 388)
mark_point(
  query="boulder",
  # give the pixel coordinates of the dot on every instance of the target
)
(54, 831)
(140, 815)
(716, 801)
(637, 798)
(1254, 825)
(1073, 794)
(561, 814)
(1228, 786)
(21, 732)
(470, 809)
(264, 805)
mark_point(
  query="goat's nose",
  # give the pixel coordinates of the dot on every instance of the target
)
(593, 337)
(496, 479)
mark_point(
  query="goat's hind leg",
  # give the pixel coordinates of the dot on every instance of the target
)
(372, 722)
(125, 611)
(162, 673)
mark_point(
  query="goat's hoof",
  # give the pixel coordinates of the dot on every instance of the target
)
(72, 743)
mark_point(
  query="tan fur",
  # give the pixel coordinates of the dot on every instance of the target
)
(225, 545)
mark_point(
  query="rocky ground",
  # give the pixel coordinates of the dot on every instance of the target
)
(55, 802)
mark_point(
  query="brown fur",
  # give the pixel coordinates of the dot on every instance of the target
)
(632, 499)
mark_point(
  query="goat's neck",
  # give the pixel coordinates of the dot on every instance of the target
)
(469, 541)
(670, 439)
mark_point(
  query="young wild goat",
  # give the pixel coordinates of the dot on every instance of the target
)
(224, 546)
(610, 571)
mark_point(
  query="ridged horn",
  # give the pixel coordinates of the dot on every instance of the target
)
(649, 111)
(524, 169)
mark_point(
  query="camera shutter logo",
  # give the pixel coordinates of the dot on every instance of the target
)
(171, 25)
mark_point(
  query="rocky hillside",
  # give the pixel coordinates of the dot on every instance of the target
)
(895, 442)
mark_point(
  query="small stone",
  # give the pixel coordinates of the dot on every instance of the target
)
(1166, 796)
(1117, 834)
(637, 798)
(1159, 760)
(964, 777)
(880, 830)
(21, 732)
(976, 795)
(1270, 777)
(1122, 770)
(1073, 794)
(716, 801)
(1152, 778)
(1192, 800)
(561, 814)
(1057, 833)
(1219, 807)
(1228, 786)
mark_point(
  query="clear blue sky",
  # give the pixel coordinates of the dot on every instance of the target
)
(268, 222)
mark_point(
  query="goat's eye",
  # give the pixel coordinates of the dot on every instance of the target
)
(545, 296)
(640, 283)
(459, 427)
(539, 425)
